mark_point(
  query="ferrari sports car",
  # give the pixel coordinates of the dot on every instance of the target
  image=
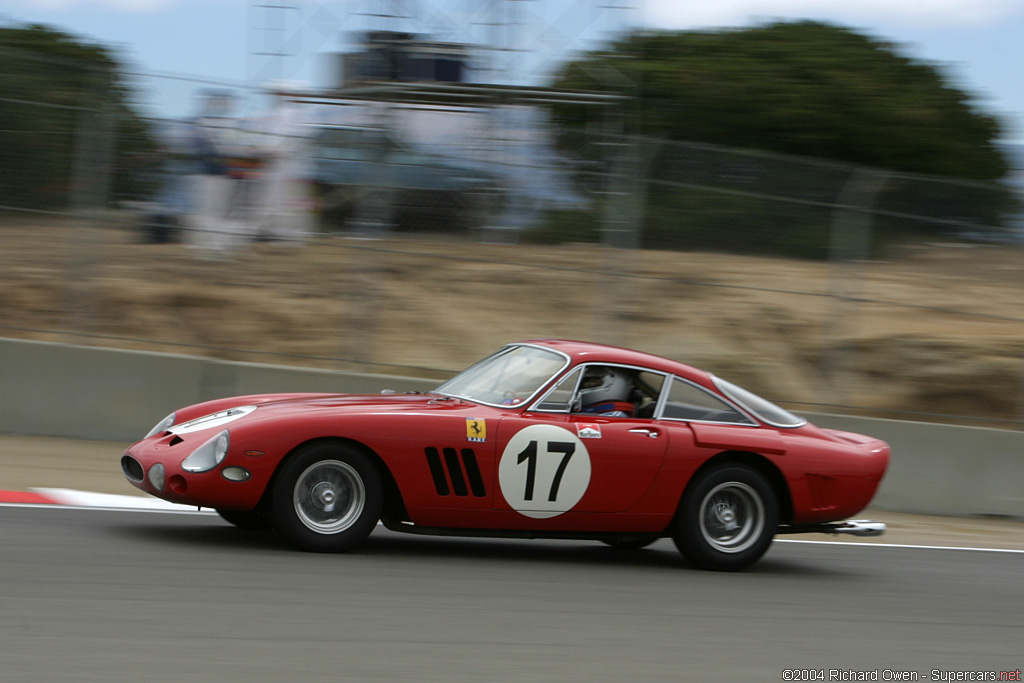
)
(542, 439)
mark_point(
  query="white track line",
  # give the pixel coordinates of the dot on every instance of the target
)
(902, 545)
(148, 511)
(70, 499)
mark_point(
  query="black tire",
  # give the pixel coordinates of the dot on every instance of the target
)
(254, 520)
(727, 519)
(327, 498)
(631, 542)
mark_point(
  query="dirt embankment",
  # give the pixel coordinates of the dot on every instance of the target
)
(938, 329)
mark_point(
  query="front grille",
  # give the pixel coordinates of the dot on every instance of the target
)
(132, 468)
(452, 474)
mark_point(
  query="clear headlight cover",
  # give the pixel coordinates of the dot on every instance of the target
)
(162, 426)
(209, 455)
(156, 476)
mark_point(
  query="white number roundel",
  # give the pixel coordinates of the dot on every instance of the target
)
(544, 471)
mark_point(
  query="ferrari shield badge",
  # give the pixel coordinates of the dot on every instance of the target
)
(476, 430)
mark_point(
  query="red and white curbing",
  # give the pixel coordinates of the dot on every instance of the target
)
(88, 499)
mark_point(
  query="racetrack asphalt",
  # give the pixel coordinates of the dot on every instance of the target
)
(28, 463)
(122, 595)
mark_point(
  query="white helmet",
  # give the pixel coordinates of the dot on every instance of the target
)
(602, 384)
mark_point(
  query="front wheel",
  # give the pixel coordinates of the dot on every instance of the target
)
(727, 519)
(327, 498)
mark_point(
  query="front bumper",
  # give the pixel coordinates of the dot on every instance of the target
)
(850, 527)
(237, 483)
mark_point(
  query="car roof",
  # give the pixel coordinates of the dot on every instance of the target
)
(589, 352)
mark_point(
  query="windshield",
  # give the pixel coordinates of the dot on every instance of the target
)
(766, 410)
(509, 377)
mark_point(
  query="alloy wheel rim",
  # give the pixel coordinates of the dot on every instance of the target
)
(732, 517)
(329, 497)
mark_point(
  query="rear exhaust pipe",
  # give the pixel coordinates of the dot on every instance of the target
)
(851, 527)
(859, 527)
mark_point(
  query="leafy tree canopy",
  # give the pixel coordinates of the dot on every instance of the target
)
(65, 65)
(52, 88)
(803, 88)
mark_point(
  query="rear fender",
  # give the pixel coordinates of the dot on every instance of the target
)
(758, 462)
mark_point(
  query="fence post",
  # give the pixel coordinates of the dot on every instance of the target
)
(849, 248)
(373, 220)
(89, 194)
(621, 238)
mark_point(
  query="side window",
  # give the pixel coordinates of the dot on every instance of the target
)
(559, 399)
(618, 391)
(648, 388)
(689, 402)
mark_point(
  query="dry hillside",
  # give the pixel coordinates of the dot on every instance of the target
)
(938, 329)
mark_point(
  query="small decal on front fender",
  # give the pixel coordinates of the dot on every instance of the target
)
(476, 430)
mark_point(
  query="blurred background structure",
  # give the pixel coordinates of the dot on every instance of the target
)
(795, 207)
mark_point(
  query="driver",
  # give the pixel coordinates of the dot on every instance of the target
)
(606, 391)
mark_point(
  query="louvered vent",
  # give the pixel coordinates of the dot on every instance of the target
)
(455, 472)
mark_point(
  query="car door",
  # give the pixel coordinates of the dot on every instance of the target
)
(552, 460)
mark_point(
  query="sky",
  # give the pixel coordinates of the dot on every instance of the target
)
(977, 44)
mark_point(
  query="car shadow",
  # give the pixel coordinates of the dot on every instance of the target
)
(215, 535)
(384, 544)
(661, 554)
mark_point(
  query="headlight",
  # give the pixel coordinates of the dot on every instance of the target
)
(209, 455)
(156, 476)
(161, 426)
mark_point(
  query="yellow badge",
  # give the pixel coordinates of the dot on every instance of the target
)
(476, 430)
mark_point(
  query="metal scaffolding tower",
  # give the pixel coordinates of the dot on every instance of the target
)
(514, 42)
(511, 47)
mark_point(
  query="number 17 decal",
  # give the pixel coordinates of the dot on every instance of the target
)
(529, 456)
(544, 471)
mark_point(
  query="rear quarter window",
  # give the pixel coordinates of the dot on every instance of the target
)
(689, 402)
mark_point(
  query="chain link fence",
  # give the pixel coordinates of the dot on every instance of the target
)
(436, 233)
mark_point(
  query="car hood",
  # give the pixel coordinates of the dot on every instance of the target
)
(278, 405)
(357, 402)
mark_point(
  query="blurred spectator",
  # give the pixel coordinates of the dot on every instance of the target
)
(285, 194)
(214, 223)
(171, 203)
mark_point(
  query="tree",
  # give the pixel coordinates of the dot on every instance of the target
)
(56, 95)
(805, 88)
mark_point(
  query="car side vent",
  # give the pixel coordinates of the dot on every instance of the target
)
(459, 471)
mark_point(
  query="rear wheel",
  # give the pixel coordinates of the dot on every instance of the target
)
(727, 519)
(327, 498)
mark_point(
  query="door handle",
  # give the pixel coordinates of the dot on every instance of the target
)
(652, 433)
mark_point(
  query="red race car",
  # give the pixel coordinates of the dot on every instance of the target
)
(543, 439)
